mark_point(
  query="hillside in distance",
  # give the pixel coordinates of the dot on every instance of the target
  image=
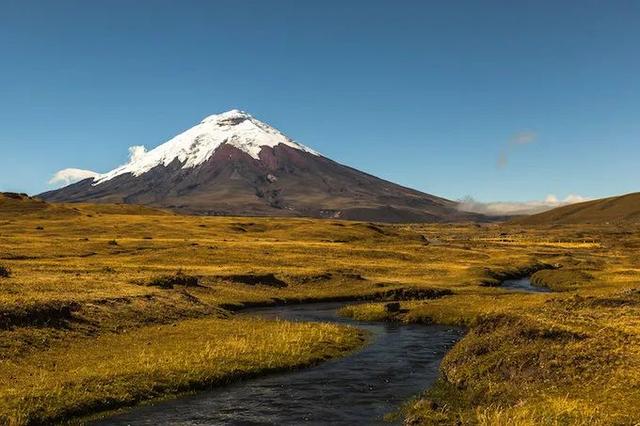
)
(233, 164)
(14, 205)
(620, 209)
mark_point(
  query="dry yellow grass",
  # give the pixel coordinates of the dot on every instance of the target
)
(118, 370)
(569, 357)
(81, 279)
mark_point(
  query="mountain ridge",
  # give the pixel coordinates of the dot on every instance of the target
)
(234, 164)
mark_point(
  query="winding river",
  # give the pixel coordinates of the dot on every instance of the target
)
(400, 362)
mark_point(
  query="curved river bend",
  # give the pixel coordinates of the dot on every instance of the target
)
(400, 362)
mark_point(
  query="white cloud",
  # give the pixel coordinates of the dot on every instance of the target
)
(506, 208)
(523, 138)
(136, 152)
(575, 198)
(69, 176)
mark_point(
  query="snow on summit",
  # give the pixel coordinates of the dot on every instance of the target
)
(196, 145)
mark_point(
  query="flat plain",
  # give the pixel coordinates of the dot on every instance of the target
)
(104, 307)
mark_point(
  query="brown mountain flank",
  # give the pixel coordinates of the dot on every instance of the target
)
(284, 182)
(235, 165)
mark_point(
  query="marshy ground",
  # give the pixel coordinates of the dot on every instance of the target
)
(105, 307)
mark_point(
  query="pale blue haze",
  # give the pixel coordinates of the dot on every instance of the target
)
(423, 93)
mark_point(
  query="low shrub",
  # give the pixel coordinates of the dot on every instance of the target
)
(169, 281)
(255, 279)
(5, 272)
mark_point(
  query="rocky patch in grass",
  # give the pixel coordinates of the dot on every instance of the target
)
(254, 279)
(314, 278)
(178, 279)
(334, 275)
(494, 278)
(403, 294)
(53, 314)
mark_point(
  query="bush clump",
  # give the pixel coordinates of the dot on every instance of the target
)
(4, 272)
(169, 281)
(255, 279)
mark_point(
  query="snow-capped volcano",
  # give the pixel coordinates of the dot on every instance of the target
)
(196, 145)
(234, 164)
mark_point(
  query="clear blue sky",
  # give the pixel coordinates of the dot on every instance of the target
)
(428, 94)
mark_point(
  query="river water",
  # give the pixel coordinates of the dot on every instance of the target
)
(399, 362)
(524, 285)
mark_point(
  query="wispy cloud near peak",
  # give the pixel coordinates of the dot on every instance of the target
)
(508, 208)
(69, 176)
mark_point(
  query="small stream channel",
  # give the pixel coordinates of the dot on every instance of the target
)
(523, 285)
(399, 362)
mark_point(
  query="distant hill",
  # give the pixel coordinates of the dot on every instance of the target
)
(621, 209)
(13, 205)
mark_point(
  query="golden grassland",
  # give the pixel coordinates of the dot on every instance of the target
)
(112, 371)
(569, 357)
(85, 304)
